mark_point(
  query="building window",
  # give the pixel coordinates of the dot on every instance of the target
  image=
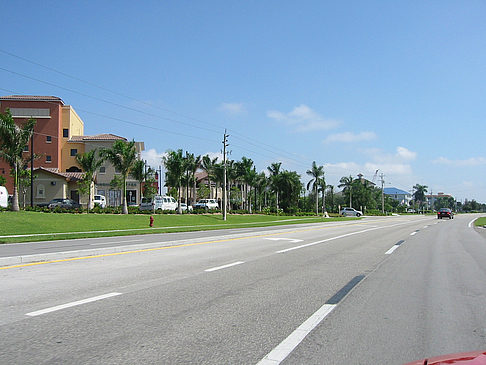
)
(26, 148)
(102, 170)
(74, 151)
(41, 191)
(48, 158)
(65, 133)
(48, 139)
(117, 171)
(30, 113)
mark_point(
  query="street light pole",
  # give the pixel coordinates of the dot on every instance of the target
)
(225, 195)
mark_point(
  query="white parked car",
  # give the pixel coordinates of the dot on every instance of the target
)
(3, 197)
(185, 207)
(351, 212)
(158, 202)
(206, 204)
(99, 200)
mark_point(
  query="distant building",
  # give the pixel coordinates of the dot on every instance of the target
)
(58, 138)
(432, 198)
(401, 196)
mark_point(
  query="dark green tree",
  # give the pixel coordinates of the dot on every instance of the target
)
(13, 139)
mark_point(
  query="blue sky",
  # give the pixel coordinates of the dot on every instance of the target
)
(355, 86)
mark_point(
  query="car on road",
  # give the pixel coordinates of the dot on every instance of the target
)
(351, 212)
(445, 212)
(206, 204)
(64, 204)
(99, 200)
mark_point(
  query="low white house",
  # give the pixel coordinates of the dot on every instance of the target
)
(402, 196)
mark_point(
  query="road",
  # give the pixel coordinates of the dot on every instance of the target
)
(376, 291)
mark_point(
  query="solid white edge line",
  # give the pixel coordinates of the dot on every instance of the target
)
(72, 304)
(279, 353)
(224, 266)
(390, 251)
(471, 222)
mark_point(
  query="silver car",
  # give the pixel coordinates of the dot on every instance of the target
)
(351, 212)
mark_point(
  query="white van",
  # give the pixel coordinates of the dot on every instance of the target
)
(3, 197)
(99, 200)
(158, 202)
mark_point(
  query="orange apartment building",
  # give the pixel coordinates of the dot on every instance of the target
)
(58, 137)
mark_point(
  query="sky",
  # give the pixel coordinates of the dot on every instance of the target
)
(357, 86)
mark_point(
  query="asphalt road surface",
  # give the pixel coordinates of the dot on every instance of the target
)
(376, 291)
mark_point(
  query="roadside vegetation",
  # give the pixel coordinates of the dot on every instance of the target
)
(50, 226)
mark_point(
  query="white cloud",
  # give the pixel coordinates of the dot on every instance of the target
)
(473, 161)
(389, 168)
(232, 108)
(349, 137)
(153, 158)
(406, 154)
(303, 118)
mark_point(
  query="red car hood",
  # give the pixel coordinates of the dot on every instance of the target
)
(465, 358)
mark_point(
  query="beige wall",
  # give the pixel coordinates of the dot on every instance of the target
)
(71, 121)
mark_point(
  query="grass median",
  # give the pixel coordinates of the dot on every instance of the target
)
(36, 226)
(480, 222)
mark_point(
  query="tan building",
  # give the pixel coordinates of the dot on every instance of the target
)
(49, 184)
(107, 171)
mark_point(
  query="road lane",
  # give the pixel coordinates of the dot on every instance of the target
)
(173, 311)
(427, 299)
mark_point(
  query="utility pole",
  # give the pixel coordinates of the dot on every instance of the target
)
(31, 171)
(225, 195)
(382, 177)
(160, 180)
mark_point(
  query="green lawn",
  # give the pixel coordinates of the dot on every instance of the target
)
(42, 226)
(480, 221)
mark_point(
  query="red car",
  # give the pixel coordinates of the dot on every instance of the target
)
(465, 358)
(445, 212)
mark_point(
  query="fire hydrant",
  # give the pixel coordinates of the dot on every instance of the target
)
(151, 221)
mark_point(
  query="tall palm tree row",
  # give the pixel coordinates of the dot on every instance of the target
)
(13, 139)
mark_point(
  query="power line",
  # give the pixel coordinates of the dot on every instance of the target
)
(235, 133)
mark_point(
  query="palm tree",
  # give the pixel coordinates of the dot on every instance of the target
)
(141, 172)
(419, 194)
(89, 163)
(322, 188)
(207, 164)
(274, 170)
(218, 171)
(261, 183)
(13, 139)
(174, 165)
(194, 165)
(290, 187)
(317, 172)
(123, 156)
(346, 182)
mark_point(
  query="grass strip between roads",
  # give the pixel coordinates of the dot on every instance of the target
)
(36, 226)
(480, 222)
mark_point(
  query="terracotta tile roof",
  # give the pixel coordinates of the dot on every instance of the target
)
(69, 176)
(97, 137)
(31, 98)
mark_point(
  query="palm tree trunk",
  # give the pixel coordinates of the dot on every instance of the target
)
(124, 196)
(15, 198)
(317, 201)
